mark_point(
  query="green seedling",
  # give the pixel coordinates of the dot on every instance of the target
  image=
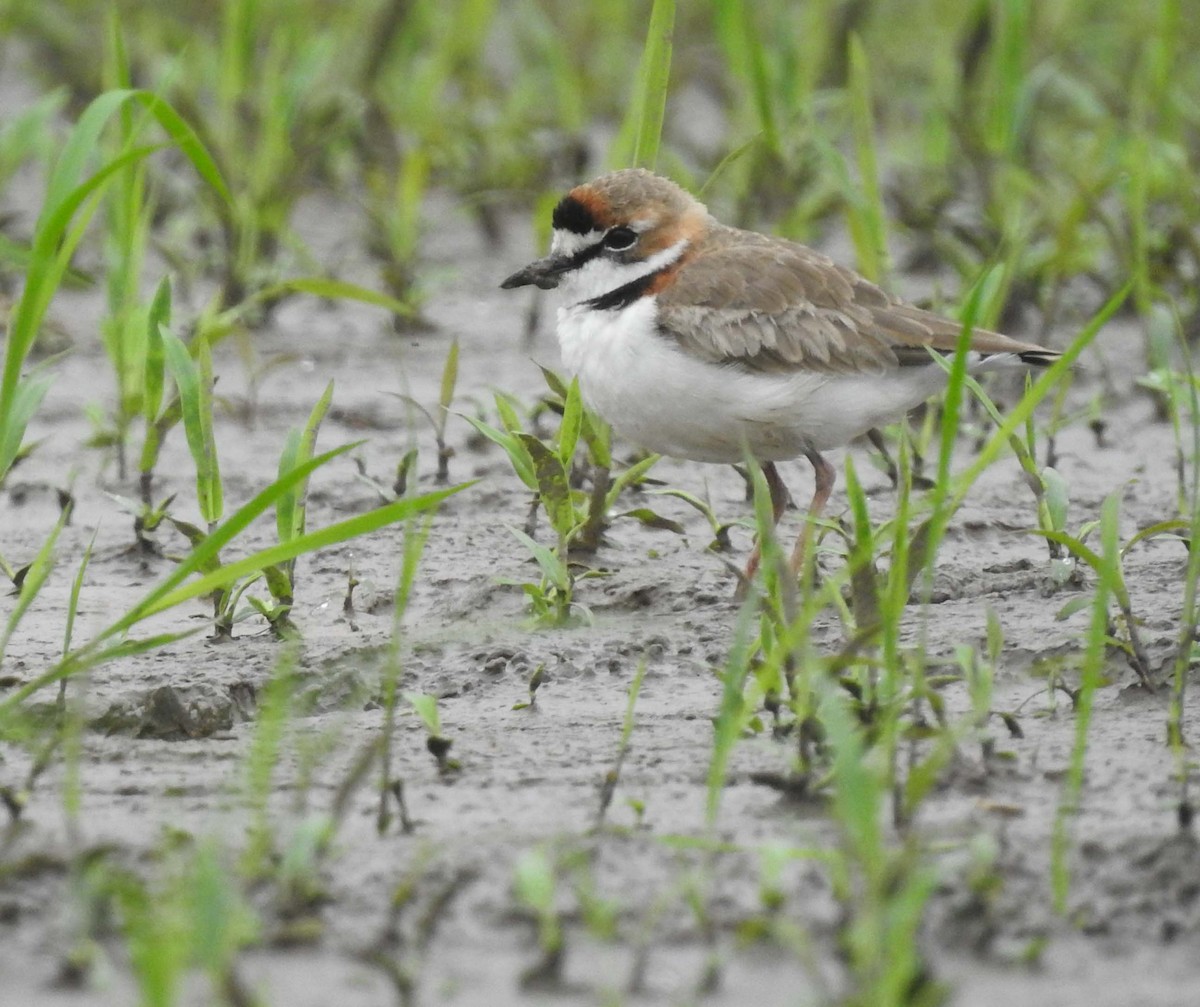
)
(416, 534)
(395, 195)
(430, 87)
(1049, 488)
(864, 201)
(596, 435)
(545, 467)
(613, 777)
(399, 950)
(720, 529)
(542, 466)
(949, 492)
(436, 742)
(535, 683)
(71, 736)
(113, 642)
(640, 135)
(733, 715)
(979, 674)
(552, 598)
(129, 210)
(535, 886)
(507, 436)
(194, 382)
(277, 116)
(147, 519)
(883, 891)
(577, 518)
(29, 581)
(291, 518)
(28, 135)
(771, 923)
(599, 915)
(1178, 392)
(1131, 645)
(1109, 583)
(226, 600)
(192, 917)
(158, 416)
(1185, 650)
(406, 476)
(437, 419)
(299, 874)
(71, 201)
(275, 706)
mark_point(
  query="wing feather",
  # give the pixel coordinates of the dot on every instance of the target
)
(772, 305)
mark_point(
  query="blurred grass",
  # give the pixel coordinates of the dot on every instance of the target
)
(1059, 135)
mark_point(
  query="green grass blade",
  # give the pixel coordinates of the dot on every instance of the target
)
(425, 707)
(735, 28)
(552, 484)
(184, 137)
(641, 133)
(333, 534)
(31, 586)
(213, 502)
(1012, 25)
(49, 258)
(730, 719)
(76, 588)
(449, 379)
(27, 397)
(54, 238)
(154, 372)
(1017, 416)
(553, 568)
(871, 242)
(290, 509)
(190, 380)
(228, 320)
(210, 548)
(287, 505)
(1092, 675)
(518, 455)
(572, 424)
(82, 660)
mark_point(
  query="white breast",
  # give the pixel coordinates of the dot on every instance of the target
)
(667, 401)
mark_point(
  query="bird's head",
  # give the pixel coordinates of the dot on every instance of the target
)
(615, 230)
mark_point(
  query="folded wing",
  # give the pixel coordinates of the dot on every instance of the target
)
(771, 305)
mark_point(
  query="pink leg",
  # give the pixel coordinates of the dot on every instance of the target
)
(779, 501)
(826, 476)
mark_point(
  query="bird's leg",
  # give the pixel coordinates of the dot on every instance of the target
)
(826, 476)
(779, 502)
(875, 436)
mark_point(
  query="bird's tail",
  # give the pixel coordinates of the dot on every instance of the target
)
(1038, 357)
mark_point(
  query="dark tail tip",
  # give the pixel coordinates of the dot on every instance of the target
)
(1039, 358)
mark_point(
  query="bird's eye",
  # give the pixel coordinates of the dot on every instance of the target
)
(620, 238)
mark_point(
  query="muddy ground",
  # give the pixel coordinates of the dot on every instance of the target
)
(170, 731)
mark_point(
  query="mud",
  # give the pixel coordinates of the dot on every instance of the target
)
(169, 732)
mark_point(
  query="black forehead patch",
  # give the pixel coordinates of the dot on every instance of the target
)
(571, 215)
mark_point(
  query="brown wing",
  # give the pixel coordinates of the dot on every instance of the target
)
(772, 305)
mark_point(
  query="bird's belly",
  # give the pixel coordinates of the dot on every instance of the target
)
(668, 401)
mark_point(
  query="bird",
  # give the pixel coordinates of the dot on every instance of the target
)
(708, 342)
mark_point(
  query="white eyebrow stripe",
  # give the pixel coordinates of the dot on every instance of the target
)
(565, 242)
